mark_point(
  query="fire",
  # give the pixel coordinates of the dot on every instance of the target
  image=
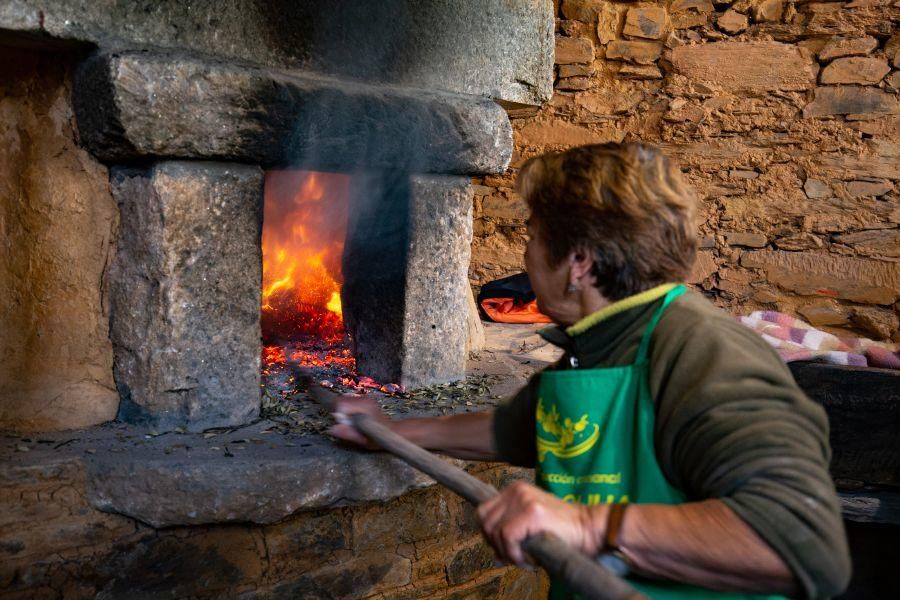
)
(304, 225)
(334, 303)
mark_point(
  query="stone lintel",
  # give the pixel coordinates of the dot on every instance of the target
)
(405, 277)
(185, 294)
(136, 105)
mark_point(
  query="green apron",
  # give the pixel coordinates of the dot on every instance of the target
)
(595, 445)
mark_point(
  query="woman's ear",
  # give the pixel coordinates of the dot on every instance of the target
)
(581, 261)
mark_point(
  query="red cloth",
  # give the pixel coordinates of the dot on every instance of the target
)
(507, 310)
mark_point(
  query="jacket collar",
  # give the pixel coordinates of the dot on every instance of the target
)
(577, 337)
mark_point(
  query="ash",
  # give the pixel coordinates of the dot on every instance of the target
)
(286, 402)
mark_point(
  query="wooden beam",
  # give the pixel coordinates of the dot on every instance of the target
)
(871, 506)
(863, 406)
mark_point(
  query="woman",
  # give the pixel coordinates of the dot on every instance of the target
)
(667, 433)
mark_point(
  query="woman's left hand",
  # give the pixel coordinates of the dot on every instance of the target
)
(522, 510)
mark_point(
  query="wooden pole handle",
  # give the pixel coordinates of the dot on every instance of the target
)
(582, 575)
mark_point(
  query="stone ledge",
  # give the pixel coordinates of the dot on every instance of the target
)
(177, 479)
(138, 105)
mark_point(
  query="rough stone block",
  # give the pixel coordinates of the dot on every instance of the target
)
(505, 208)
(608, 100)
(857, 189)
(645, 22)
(838, 47)
(742, 174)
(816, 188)
(748, 240)
(800, 241)
(468, 562)
(893, 80)
(44, 513)
(574, 83)
(879, 160)
(497, 48)
(607, 22)
(817, 274)
(746, 66)
(690, 13)
(855, 70)
(405, 278)
(887, 127)
(767, 11)
(892, 48)
(680, 111)
(704, 266)
(209, 564)
(309, 538)
(412, 519)
(185, 294)
(640, 71)
(818, 316)
(732, 22)
(765, 296)
(566, 134)
(359, 577)
(571, 50)
(735, 282)
(850, 99)
(645, 53)
(679, 6)
(256, 484)
(585, 11)
(575, 71)
(877, 242)
(139, 105)
(878, 323)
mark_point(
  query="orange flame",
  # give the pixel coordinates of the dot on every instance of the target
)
(304, 225)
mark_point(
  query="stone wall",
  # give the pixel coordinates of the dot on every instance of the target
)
(57, 232)
(784, 116)
(424, 544)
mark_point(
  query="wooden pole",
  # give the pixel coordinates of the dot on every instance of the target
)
(582, 575)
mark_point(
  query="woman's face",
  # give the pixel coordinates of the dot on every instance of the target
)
(548, 282)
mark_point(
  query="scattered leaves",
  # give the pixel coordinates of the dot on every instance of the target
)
(294, 412)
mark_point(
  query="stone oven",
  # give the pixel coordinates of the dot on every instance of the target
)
(140, 141)
(188, 105)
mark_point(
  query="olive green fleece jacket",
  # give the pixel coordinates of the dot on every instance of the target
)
(731, 424)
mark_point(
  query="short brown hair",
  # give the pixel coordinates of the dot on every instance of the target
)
(627, 203)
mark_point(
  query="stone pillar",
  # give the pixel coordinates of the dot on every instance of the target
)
(405, 277)
(185, 294)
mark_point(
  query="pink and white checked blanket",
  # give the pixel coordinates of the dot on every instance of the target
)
(795, 339)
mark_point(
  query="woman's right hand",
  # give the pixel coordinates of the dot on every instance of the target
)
(346, 432)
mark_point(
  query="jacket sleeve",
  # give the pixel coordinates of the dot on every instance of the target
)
(732, 424)
(514, 426)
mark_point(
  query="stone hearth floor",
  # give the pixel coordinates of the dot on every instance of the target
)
(261, 472)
